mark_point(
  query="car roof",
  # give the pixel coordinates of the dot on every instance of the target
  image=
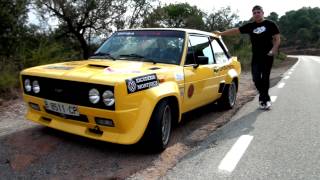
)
(190, 31)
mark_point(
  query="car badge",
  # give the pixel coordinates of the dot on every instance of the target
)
(58, 90)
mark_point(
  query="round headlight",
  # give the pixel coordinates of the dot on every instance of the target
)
(108, 98)
(27, 85)
(94, 96)
(35, 87)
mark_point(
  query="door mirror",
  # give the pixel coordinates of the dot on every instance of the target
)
(202, 60)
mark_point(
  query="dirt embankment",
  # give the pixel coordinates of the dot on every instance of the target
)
(31, 151)
(299, 51)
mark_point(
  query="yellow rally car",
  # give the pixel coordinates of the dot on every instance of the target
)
(137, 84)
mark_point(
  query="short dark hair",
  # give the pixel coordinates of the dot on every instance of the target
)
(257, 7)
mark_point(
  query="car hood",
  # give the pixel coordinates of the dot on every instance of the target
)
(105, 71)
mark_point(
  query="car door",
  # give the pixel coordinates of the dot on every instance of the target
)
(201, 83)
(222, 58)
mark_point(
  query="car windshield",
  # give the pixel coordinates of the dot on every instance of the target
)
(144, 45)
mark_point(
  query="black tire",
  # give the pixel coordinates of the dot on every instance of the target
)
(229, 96)
(160, 125)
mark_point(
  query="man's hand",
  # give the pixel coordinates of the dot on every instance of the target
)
(233, 31)
(276, 43)
(270, 53)
(217, 33)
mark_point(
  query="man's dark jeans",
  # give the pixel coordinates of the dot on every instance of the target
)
(261, 67)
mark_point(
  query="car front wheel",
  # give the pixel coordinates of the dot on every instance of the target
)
(159, 128)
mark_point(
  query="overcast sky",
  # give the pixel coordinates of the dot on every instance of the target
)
(243, 7)
(240, 7)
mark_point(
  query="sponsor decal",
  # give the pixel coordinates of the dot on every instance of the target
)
(125, 33)
(259, 30)
(161, 33)
(190, 90)
(131, 68)
(141, 83)
(122, 71)
(59, 67)
(179, 76)
(223, 68)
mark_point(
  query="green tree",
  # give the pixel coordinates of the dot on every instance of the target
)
(301, 27)
(13, 14)
(303, 37)
(84, 19)
(139, 9)
(175, 16)
(315, 31)
(273, 16)
(221, 19)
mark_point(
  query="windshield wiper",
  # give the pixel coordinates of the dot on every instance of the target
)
(137, 56)
(132, 56)
(102, 55)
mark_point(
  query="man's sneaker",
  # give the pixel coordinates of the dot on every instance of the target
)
(268, 105)
(262, 105)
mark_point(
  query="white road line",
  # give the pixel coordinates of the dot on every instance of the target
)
(289, 73)
(273, 98)
(286, 77)
(293, 67)
(230, 161)
(281, 85)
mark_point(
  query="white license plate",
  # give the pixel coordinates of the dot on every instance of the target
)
(62, 108)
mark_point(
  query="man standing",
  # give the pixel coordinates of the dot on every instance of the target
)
(265, 39)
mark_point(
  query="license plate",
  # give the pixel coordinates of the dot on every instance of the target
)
(62, 108)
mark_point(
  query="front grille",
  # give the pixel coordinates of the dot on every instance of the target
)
(82, 118)
(71, 92)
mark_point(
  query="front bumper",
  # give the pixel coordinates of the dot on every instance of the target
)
(129, 124)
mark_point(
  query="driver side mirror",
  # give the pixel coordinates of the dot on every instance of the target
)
(202, 60)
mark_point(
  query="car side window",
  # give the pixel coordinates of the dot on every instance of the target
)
(219, 54)
(190, 55)
(201, 47)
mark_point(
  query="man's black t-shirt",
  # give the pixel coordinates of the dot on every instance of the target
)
(260, 35)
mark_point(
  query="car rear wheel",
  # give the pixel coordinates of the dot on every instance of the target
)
(159, 128)
(229, 96)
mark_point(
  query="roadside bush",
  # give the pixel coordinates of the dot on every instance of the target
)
(279, 58)
(242, 49)
(9, 79)
(50, 52)
(47, 52)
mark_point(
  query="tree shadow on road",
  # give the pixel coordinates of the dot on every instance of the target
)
(243, 125)
(42, 152)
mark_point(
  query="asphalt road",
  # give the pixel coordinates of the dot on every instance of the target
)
(282, 143)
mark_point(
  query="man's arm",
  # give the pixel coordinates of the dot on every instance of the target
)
(233, 31)
(276, 43)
